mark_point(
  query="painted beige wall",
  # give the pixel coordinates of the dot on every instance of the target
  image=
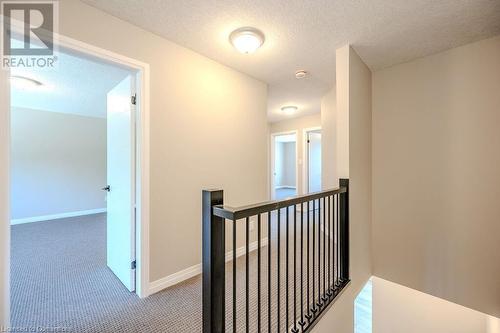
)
(329, 179)
(358, 98)
(297, 124)
(436, 179)
(493, 325)
(208, 129)
(342, 117)
(399, 309)
(57, 166)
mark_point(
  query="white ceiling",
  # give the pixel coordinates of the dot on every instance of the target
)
(305, 34)
(77, 85)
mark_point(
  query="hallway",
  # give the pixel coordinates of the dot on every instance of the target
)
(60, 280)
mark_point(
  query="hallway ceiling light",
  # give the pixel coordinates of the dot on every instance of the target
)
(247, 39)
(289, 109)
(300, 74)
(24, 83)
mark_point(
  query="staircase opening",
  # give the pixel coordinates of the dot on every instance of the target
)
(286, 277)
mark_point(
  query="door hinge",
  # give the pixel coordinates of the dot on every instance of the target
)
(133, 99)
(133, 264)
(308, 141)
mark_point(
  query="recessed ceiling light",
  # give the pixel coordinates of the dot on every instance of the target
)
(246, 39)
(300, 74)
(24, 83)
(289, 109)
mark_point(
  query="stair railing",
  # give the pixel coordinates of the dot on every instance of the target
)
(284, 278)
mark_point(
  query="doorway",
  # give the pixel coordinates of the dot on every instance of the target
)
(283, 165)
(312, 157)
(130, 124)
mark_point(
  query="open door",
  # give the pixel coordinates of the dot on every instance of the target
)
(284, 166)
(314, 161)
(121, 182)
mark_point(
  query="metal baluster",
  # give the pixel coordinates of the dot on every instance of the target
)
(338, 239)
(308, 315)
(234, 276)
(302, 322)
(269, 272)
(334, 235)
(329, 246)
(295, 268)
(320, 303)
(286, 281)
(258, 272)
(278, 283)
(324, 249)
(314, 310)
(247, 276)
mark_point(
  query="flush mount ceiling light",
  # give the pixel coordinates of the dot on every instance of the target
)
(300, 74)
(289, 109)
(24, 83)
(247, 39)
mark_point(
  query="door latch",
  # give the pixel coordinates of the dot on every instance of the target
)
(107, 188)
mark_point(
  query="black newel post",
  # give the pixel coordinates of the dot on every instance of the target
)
(344, 231)
(213, 264)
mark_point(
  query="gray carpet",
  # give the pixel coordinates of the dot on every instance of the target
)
(60, 280)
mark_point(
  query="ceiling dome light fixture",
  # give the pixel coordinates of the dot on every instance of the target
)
(24, 83)
(300, 74)
(289, 109)
(247, 39)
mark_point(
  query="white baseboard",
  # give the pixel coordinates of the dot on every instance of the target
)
(173, 279)
(241, 250)
(57, 216)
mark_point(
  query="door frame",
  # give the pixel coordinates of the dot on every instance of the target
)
(305, 156)
(271, 161)
(142, 160)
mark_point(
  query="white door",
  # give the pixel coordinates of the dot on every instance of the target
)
(314, 161)
(121, 182)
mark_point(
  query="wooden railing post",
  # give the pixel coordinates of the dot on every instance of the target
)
(213, 290)
(344, 231)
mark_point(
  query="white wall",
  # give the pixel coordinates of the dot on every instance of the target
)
(399, 309)
(58, 163)
(436, 179)
(298, 124)
(354, 104)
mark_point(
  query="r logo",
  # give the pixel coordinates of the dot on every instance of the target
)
(36, 20)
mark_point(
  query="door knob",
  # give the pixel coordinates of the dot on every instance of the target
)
(107, 188)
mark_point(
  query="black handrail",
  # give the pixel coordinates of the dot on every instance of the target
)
(315, 264)
(236, 213)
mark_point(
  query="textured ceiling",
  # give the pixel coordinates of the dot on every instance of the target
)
(77, 86)
(305, 34)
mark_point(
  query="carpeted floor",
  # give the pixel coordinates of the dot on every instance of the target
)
(60, 280)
